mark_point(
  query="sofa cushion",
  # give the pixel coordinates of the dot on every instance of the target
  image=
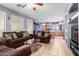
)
(19, 34)
(8, 36)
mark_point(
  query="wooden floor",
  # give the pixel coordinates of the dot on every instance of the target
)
(57, 47)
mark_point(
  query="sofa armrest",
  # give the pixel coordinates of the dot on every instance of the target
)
(4, 41)
(14, 52)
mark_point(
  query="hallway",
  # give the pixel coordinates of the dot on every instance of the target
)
(57, 47)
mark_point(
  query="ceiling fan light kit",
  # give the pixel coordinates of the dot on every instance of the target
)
(25, 5)
(34, 8)
(40, 4)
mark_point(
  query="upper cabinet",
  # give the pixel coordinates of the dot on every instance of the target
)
(72, 12)
(73, 8)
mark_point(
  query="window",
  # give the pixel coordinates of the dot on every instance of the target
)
(2, 19)
(16, 23)
(55, 27)
(30, 26)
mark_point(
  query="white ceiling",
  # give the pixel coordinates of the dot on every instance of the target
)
(48, 12)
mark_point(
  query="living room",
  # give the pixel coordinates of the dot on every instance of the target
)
(39, 29)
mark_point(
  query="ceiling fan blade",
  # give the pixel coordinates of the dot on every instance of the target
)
(22, 5)
(40, 4)
(18, 4)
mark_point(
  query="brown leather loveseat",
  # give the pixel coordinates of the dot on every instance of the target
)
(43, 36)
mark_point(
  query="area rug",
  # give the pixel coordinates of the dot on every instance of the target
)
(35, 47)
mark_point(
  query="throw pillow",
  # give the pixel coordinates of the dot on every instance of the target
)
(14, 35)
(8, 36)
(39, 34)
(46, 34)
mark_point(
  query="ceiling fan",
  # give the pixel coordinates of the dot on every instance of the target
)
(34, 8)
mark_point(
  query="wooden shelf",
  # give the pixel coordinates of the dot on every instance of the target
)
(73, 8)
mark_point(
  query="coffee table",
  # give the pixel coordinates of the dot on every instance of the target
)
(34, 46)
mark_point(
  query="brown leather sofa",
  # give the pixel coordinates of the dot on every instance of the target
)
(43, 36)
(6, 51)
(16, 40)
